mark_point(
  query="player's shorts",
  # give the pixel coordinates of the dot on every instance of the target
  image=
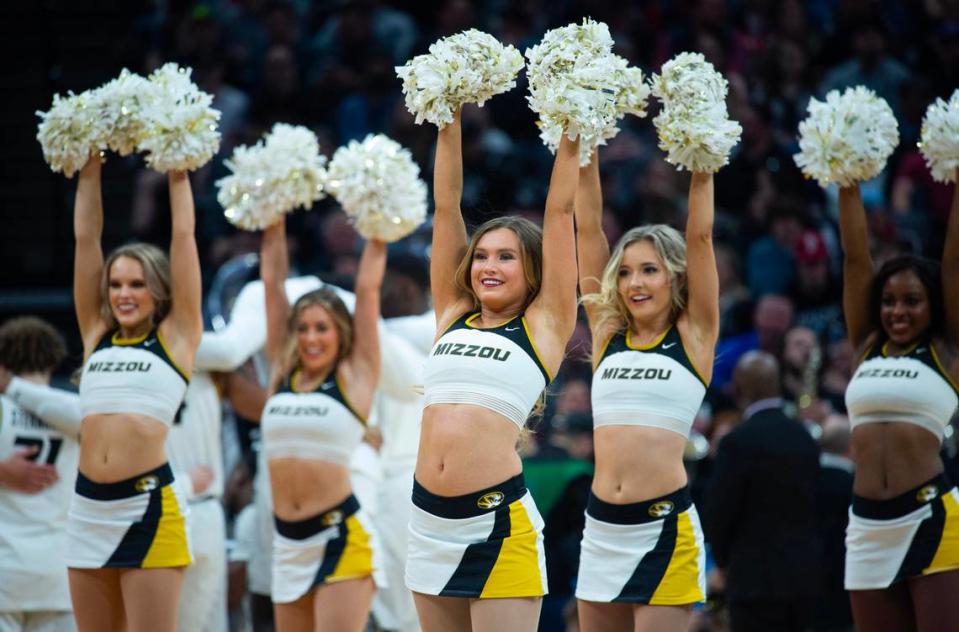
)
(486, 544)
(333, 546)
(916, 533)
(649, 552)
(136, 523)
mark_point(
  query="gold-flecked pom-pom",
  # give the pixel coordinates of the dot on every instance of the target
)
(282, 172)
(70, 131)
(378, 185)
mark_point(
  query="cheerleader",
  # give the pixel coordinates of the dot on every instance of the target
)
(505, 302)
(324, 369)
(140, 322)
(653, 311)
(902, 542)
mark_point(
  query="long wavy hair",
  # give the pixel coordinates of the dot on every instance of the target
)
(156, 273)
(342, 320)
(530, 252)
(671, 249)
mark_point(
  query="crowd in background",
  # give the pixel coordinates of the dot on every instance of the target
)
(330, 65)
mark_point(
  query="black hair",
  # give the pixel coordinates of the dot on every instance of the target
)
(929, 274)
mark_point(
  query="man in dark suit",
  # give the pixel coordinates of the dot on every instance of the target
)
(761, 507)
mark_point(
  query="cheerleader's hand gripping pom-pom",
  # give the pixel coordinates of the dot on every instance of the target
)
(847, 138)
(694, 126)
(940, 138)
(576, 83)
(469, 67)
(378, 185)
(70, 131)
(122, 104)
(283, 172)
(180, 126)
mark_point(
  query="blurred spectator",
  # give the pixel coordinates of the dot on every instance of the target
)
(798, 347)
(772, 318)
(279, 97)
(572, 397)
(838, 372)
(732, 292)
(560, 473)
(770, 263)
(816, 293)
(761, 507)
(833, 497)
(871, 66)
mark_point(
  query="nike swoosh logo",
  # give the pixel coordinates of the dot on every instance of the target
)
(327, 385)
(921, 350)
(512, 329)
(672, 344)
(148, 343)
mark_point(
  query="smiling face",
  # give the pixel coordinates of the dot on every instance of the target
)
(643, 282)
(497, 276)
(905, 312)
(317, 339)
(131, 302)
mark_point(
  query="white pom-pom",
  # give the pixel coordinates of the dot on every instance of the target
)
(70, 131)
(181, 128)
(940, 138)
(694, 126)
(630, 94)
(283, 172)
(846, 139)
(122, 104)
(378, 185)
(469, 67)
(576, 83)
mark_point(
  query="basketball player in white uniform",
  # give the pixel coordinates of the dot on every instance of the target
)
(34, 595)
(195, 451)
(196, 455)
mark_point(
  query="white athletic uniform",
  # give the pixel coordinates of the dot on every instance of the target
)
(399, 420)
(140, 522)
(194, 440)
(487, 544)
(650, 552)
(34, 594)
(915, 533)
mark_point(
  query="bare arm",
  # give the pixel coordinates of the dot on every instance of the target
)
(274, 266)
(857, 268)
(244, 393)
(185, 314)
(557, 296)
(88, 255)
(592, 248)
(366, 315)
(950, 271)
(702, 278)
(449, 231)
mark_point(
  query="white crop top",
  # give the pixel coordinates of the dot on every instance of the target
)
(319, 424)
(654, 386)
(132, 375)
(497, 368)
(911, 388)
